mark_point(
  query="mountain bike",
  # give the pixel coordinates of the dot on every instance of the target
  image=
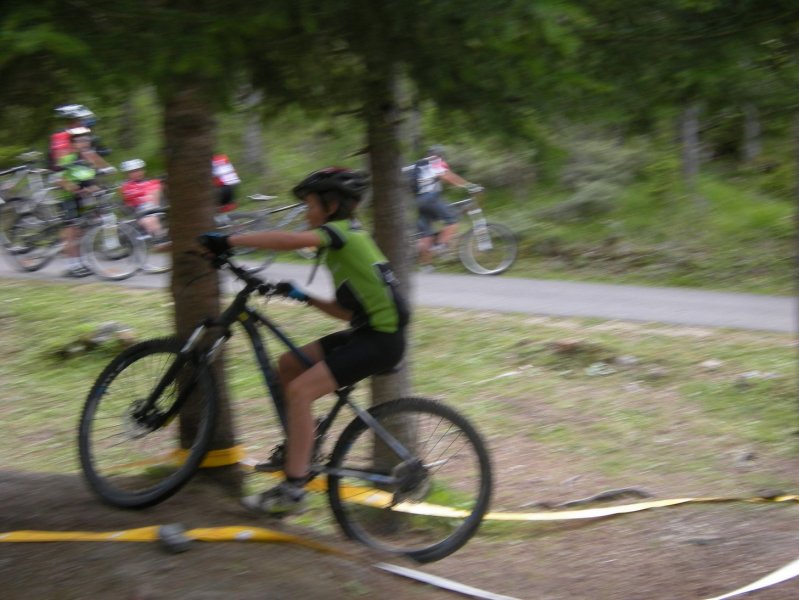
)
(25, 189)
(483, 247)
(290, 216)
(109, 248)
(388, 465)
(231, 223)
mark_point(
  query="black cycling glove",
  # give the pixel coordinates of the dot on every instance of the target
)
(215, 242)
(289, 290)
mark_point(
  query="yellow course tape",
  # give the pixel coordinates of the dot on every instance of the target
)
(215, 458)
(151, 534)
(259, 534)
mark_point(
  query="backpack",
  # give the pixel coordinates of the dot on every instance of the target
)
(412, 174)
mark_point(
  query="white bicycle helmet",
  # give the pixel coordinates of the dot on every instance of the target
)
(73, 111)
(134, 164)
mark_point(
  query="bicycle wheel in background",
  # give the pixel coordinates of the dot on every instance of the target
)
(488, 252)
(157, 256)
(127, 448)
(113, 251)
(250, 222)
(453, 470)
(31, 243)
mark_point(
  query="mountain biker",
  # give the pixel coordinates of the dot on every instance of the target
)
(72, 116)
(427, 174)
(141, 195)
(366, 295)
(225, 180)
(79, 169)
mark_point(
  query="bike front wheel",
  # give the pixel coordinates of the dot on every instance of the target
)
(135, 449)
(425, 508)
(489, 251)
(31, 243)
(113, 252)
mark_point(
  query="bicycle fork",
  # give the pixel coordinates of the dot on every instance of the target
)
(480, 229)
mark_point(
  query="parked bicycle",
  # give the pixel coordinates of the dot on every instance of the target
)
(233, 222)
(25, 189)
(109, 248)
(483, 247)
(385, 466)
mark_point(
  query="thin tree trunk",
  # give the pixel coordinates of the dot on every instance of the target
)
(254, 159)
(189, 134)
(689, 139)
(383, 131)
(127, 131)
(795, 136)
(691, 149)
(752, 142)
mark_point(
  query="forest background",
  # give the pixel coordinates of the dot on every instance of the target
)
(624, 143)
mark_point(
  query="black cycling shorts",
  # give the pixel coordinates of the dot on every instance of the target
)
(433, 208)
(355, 354)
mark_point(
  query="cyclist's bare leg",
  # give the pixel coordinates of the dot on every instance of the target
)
(152, 226)
(300, 394)
(425, 246)
(447, 233)
(71, 235)
(298, 399)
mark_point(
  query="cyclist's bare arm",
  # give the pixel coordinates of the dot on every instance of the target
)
(331, 307)
(276, 240)
(454, 179)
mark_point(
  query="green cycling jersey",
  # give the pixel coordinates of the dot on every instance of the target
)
(364, 281)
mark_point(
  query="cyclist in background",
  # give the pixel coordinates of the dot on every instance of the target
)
(426, 176)
(72, 116)
(141, 194)
(366, 295)
(225, 180)
(79, 169)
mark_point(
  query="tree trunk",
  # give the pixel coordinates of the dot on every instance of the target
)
(254, 160)
(752, 144)
(389, 205)
(691, 152)
(689, 139)
(795, 135)
(127, 130)
(189, 133)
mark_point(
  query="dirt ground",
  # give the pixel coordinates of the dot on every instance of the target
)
(691, 552)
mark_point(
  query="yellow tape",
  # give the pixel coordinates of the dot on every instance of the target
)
(380, 499)
(215, 458)
(150, 534)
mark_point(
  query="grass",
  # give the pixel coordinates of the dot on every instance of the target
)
(627, 401)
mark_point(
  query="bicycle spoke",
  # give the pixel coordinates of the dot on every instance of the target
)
(452, 471)
(128, 462)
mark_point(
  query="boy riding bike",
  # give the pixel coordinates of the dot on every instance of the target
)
(366, 295)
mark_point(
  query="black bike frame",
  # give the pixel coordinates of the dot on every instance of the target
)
(239, 311)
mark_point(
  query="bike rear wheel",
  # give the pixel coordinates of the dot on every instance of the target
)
(381, 501)
(488, 252)
(132, 455)
(113, 252)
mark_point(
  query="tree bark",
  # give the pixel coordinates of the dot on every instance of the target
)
(389, 205)
(189, 134)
